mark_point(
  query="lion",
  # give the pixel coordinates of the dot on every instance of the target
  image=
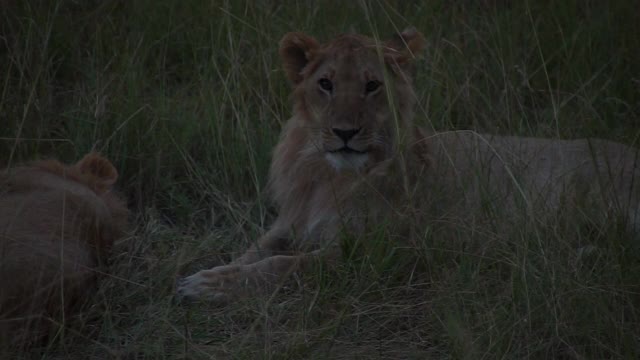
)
(351, 157)
(57, 225)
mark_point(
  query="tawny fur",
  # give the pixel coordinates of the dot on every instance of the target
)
(393, 172)
(314, 198)
(57, 225)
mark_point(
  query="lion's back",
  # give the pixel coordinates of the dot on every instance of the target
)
(539, 173)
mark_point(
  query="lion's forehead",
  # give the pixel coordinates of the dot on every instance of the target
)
(349, 57)
(349, 66)
(348, 42)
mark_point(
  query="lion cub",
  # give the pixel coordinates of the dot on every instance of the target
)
(343, 150)
(350, 158)
(57, 224)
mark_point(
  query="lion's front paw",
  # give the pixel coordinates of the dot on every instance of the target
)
(220, 284)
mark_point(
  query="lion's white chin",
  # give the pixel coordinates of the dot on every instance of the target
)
(346, 161)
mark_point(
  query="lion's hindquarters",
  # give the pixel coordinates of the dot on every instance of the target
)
(531, 178)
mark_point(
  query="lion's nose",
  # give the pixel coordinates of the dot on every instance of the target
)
(345, 135)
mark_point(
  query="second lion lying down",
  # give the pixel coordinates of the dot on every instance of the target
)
(350, 157)
(58, 223)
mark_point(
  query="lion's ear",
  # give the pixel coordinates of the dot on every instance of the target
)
(403, 48)
(296, 50)
(99, 168)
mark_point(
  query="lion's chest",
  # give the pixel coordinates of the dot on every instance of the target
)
(346, 205)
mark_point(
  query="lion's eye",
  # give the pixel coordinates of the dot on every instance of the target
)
(372, 86)
(325, 84)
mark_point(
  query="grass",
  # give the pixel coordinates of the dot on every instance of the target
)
(187, 99)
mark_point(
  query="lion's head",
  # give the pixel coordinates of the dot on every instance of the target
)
(57, 224)
(353, 96)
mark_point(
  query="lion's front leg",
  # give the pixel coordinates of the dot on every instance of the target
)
(237, 278)
(218, 284)
(274, 242)
(225, 283)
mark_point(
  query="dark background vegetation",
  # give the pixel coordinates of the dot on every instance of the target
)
(187, 99)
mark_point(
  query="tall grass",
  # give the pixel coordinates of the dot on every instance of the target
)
(187, 99)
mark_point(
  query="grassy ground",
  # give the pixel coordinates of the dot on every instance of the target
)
(187, 99)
